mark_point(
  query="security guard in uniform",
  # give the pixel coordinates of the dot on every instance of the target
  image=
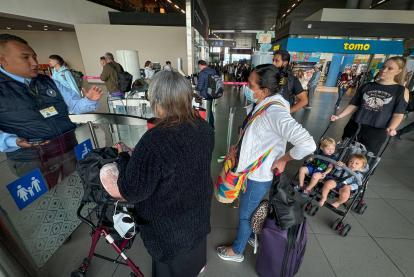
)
(35, 128)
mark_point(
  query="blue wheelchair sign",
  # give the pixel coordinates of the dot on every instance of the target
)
(82, 149)
(28, 188)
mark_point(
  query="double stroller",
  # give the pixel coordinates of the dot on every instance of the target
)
(119, 235)
(356, 202)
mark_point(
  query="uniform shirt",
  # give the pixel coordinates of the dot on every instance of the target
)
(377, 103)
(75, 103)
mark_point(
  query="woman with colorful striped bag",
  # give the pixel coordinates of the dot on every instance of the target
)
(247, 171)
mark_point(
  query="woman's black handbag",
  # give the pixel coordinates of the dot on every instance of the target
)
(89, 169)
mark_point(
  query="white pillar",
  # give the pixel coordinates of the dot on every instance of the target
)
(130, 62)
(189, 31)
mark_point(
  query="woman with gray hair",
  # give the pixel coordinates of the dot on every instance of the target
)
(168, 179)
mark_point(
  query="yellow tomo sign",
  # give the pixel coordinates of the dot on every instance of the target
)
(357, 46)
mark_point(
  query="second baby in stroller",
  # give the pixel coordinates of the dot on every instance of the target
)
(344, 186)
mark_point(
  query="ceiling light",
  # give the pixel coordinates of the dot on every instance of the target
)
(8, 28)
(44, 29)
(177, 7)
(60, 29)
(45, 26)
(30, 26)
(293, 5)
(169, 1)
(288, 11)
(182, 11)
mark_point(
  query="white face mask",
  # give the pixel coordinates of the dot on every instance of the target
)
(249, 95)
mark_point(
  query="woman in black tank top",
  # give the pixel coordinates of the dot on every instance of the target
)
(378, 106)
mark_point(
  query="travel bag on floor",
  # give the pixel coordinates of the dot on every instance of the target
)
(281, 251)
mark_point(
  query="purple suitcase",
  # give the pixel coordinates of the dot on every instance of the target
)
(281, 251)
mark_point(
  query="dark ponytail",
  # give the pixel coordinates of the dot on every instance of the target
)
(57, 58)
(270, 77)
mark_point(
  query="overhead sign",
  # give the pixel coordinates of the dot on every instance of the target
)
(28, 188)
(343, 46)
(265, 38)
(82, 149)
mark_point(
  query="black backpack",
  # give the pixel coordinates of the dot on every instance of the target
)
(215, 86)
(410, 106)
(89, 169)
(78, 76)
(124, 81)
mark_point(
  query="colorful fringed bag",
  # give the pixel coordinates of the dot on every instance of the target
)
(229, 183)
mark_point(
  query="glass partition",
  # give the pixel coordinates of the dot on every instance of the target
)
(41, 191)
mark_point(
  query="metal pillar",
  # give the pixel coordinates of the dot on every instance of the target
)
(189, 32)
(365, 4)
(352, 4)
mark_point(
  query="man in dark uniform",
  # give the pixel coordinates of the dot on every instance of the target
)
(292, 90)
(35, 129)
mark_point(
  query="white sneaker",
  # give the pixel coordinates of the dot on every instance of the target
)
(222, 253)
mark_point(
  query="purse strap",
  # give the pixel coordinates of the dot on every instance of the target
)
(254, 116)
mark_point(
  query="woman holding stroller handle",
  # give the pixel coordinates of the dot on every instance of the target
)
(168, 178)
(270, 131)
(378, 106)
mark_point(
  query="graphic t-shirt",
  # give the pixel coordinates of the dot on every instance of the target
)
(322, 164)
(377, 103)
(291, 88)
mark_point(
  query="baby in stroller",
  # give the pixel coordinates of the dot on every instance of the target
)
(318, 169)
(357, 163)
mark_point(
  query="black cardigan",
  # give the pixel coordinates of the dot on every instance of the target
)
(168, 178)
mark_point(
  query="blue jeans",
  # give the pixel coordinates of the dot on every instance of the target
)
(341, 93)
(249, 201)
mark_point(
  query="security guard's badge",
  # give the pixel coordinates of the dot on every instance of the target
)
(49, 112)
(50, 92)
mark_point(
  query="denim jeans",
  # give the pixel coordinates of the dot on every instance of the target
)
(341, 93)
(311, 93)
(249, 201)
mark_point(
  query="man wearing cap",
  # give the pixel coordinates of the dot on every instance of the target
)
(292, 89)
(34, 109)
(312, 84)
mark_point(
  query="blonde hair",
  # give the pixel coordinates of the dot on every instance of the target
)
(401, 62)
(361, 158)
(327, 141)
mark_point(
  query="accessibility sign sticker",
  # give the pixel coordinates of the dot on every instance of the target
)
(28, 188)
(82, 149)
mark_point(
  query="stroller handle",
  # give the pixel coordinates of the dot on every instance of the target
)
(343, 167)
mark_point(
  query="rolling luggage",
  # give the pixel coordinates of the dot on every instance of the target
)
(281, 251)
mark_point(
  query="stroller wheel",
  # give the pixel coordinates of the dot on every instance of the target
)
(78, 273)
(344, 232)
(361, 208)
(337, 225)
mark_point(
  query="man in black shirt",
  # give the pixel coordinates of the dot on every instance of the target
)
(292, 90)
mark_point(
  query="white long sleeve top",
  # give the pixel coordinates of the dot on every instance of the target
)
(273, 129)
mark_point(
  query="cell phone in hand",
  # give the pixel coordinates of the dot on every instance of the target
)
(35, 141)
